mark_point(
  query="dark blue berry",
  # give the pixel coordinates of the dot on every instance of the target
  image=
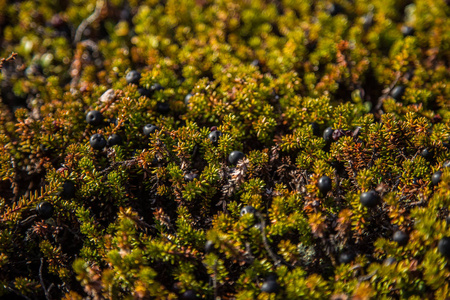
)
(187, 98)
(133, 77)
(367, 21)
(97, 141)
(189, 295)
(44, 210)
(446, 164)
(145, 92)
(427, 154)
(324, 184)
(401, 238)
(328, 135)
(235, 156)
(114, 139)
(149, 128)
(94, 117)
(436, 177)
(68, 190)
(346, 257)
(398, 92)
(156, 87)
(214, 136)
(270, 286)
(389, 261)
(335, 9)
(315, 128)
(248, 210)
(163, 108)
(407, 30)
(190, 176)
(444, 246)
(369, 199)
(209, 246)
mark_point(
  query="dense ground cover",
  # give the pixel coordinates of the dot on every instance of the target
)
(214, 148)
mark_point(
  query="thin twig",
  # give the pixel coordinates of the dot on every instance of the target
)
(9, 58)
(41, 279)
(88, 21)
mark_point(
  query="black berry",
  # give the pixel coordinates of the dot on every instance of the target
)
(68, 190)
(407, 30)
(44, 210)
(156, 87)
(427, 154)
(94, 117)
(190, 176)
(114, 139)
(149, 128)
(97, 141)
(436, 177)
(446, 164)
(133, 77)
(270, 286)
(187, 98)
(444, 246)
(324, 184)
(315, 128)
(335, 9)
(163, 108)
(214, 136)
(398, 92)
(369, 199)
(248, 210)
(401, 238)
(209, 246)
(346, 257)
(328, 135)
(189, 295)
(145, 92)
(235, 156)
(389, 261)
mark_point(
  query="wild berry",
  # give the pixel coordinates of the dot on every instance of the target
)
(114, 139)
(97, 141)
(446, 164)
(427, 154)
(369, 199)
(145, 92)
(214, 136)
(68, 190)
(190, 176)
(367, 21)
(324, 184)
(149, 128)
(163, 108)
(235, 156)
(389, 261)
(189, 295)
(270, 286)
(346, 257)
(94, 117)
(133, 77)
(444, 246)
(407, 30)
(156, 87)
(44, 210)
(248, 210)
(335, 9)
(447, 220)
(209, 246)
(187, 98)
(436, 177)
(328, 135)
(315, 128)
(398, 92)
(401, 238)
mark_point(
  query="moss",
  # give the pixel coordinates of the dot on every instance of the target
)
(260, 72)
